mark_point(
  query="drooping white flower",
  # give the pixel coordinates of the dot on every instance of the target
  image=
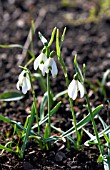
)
(39, 61)
(23, 82)
(73, 89)
(50, 64)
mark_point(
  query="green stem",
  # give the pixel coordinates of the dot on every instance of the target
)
(34, 100)
(70, 100)
(72, 110)
(58, 49)
(93, 122)
(30, 61)
(48, 91)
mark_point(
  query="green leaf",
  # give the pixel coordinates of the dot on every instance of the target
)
(11, 96)
(43, 39)
(41, 81)
(58, 45)
(59, 137)
(104, 79)
(102, 85)
(46, 132)
(42, 106)
(28, 130)
(100, 159)
(7, 149)
(14, 46)
(52, 112)
(83, 122)
(105, 131)
(7, 120)
(106, 138)
(52, 37)
(11, 46)
(60, 94)
(62, 37)
(102, 121)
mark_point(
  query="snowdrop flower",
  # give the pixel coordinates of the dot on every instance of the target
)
(39, 61)
(73, 89)
(50, 64)
(24, 82)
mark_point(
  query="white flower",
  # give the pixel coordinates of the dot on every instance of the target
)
(39, 61)
(50, 64)
(24, 82)
(73, 89)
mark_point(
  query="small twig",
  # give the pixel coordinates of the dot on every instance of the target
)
(37, 23)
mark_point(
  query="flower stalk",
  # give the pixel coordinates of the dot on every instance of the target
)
(58, 49)
(34, 101)
(93, 122)
(48, 91)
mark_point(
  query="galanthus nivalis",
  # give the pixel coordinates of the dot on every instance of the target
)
(50, 64)
(23, 82)
(73, 89)
(39, 61)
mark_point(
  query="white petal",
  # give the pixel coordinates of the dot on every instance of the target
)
(45, 69)
(47, 64)
(36, 62)
(18, 85)
(54, 70)
(43, 57)
(21, 76)
(24, 86)
(41, 66)
(28, 84)
(72, 89)
(81, 89)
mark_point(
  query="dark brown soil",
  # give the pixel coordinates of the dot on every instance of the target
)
(90, 40)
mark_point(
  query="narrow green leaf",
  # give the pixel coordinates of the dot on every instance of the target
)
(83, 122)
(7, 149)
(88, 133)
(62, 37)
(106, 163)
(60, 94)
(7, 120)
(11, 96)
(28, 130)
(41, 81)
(100, 159)
(102, 121)
(52, 37)
(93, 139)
(24, 129)
(46, 132)
(106, 138)
(59, 137)
(55, 109)
(42, 106)
(58, 44)
(52, 112)
(11, 46)
(105, 77)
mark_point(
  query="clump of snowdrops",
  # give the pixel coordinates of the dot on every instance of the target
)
(46, 63)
